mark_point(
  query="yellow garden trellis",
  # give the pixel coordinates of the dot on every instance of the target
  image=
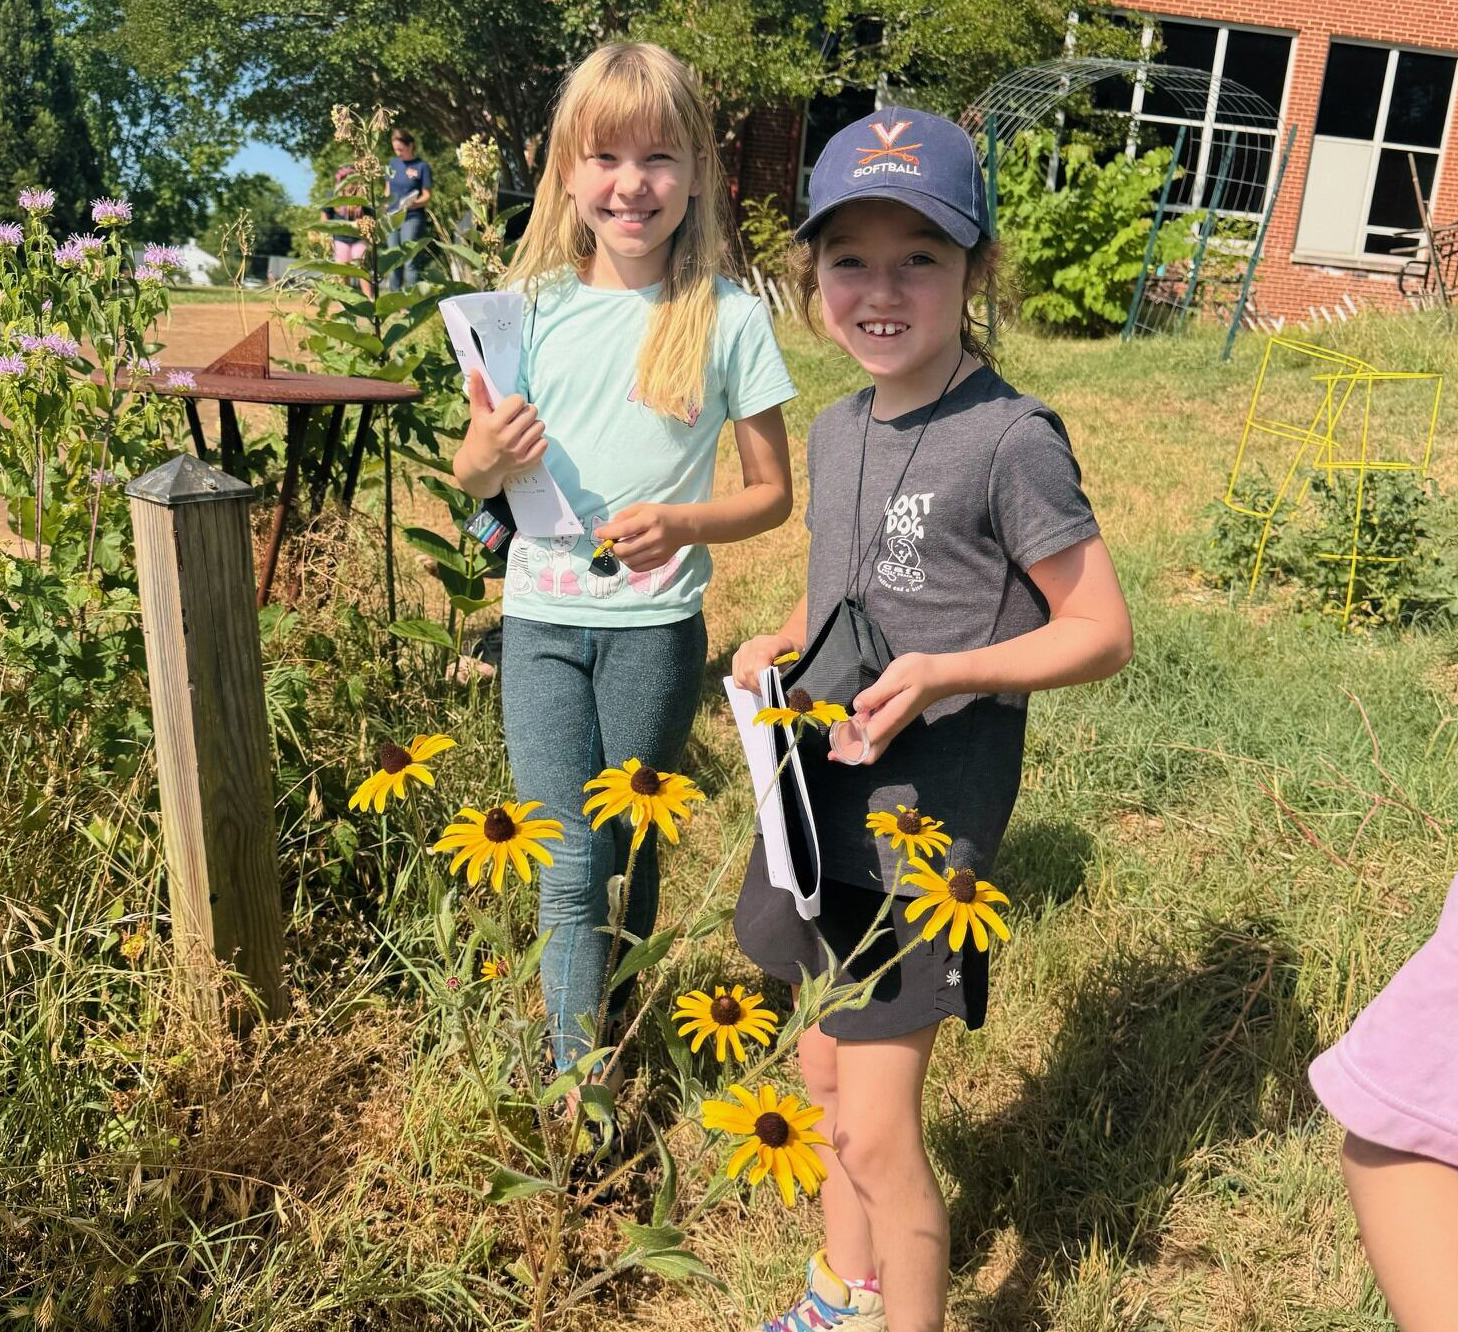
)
(1336, 436)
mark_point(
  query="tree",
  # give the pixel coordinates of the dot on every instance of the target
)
(44, 137)
(163, 144)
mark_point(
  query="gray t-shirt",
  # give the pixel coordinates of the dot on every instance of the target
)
(992, 489)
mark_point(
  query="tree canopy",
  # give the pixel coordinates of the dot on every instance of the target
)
(44, 135)
(453, 68)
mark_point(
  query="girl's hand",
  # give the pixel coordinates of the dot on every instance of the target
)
(501, 441)
(757, 653)
(907, 687)
(646, 535)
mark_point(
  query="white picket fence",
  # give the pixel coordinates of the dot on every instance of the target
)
(775, 297)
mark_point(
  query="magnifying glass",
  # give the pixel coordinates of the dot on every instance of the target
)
(849, 741)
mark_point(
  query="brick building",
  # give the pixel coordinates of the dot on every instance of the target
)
(1365, 83)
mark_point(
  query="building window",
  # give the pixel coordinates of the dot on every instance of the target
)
(824, 118)
(1255, 58)
(1378, 105)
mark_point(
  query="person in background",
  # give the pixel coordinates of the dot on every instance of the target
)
(349, 246)
(408, 179)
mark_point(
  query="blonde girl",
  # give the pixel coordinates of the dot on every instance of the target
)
(637, 349)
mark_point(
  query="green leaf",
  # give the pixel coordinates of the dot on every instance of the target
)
(507, 1185)
(334, 270)
(710, 921)
(531, 959)
(667, 1193)
(469, 606)
(575, 1076)
(679, 1265)
(356, 337)
(436, 546)
(422, 631)
(643, 955)
(651, 1239)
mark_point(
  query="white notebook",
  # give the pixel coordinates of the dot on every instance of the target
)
(484, 328)
(791, 848)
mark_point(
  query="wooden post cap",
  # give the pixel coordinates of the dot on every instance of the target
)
(186, 480)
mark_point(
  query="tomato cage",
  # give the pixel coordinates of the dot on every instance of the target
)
(1228, 157)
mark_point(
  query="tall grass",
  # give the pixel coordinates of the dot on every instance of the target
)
(1217, 858)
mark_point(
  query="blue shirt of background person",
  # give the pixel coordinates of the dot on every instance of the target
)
(408, 180)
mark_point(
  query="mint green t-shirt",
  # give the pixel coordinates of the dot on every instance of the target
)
(607, 451)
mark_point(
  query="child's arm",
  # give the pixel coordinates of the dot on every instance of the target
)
(647, 535)
(756, 653)
(1088, 637)
(500, 442)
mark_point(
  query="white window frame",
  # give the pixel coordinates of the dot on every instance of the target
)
(1210, 124)
(1379, 142)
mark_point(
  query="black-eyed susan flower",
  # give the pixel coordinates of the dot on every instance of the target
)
(493, 968)
(958, 896)
(778, 1137)
(920, 835)
(646, 795)
(800, 708)
(502, 834)
(724, 1017)
(397, 765)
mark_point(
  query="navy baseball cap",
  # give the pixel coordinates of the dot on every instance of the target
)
(910, 157)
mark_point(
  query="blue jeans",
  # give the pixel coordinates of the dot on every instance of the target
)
(576, 700)
(411, 228)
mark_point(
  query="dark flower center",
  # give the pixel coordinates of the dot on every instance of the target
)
(772, 1129)
(645, 781)
(799, 701)
(962, 887)
(909, 821)
(498, 825)
(725, 1010)
(392, 757)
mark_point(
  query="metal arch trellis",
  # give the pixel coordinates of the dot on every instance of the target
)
(1231, 163)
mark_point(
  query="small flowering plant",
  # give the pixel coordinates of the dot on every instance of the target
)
(74, 317)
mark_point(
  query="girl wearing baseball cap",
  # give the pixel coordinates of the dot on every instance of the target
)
(947, 521)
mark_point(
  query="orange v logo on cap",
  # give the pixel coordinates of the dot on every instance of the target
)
(888, 146)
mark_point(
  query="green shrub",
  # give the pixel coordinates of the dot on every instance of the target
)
(768, 236)
(1076, 252)
(1404, 520)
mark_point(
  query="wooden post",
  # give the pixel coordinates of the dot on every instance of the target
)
(214, 767)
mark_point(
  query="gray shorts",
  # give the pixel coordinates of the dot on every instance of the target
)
(930, 983)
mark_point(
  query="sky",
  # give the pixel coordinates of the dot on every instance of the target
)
(293, 173)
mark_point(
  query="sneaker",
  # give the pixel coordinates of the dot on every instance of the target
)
(829, 1303)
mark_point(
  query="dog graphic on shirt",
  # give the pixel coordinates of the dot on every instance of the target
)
(900, 570)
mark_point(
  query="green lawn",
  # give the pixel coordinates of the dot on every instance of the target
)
(1217, 858)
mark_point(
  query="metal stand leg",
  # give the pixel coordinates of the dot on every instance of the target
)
(298, 427)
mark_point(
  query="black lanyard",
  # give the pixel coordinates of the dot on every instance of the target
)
(853, 575)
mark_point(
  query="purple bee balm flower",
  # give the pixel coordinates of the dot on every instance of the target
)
(46, 306)
(180, 379)
(29, 342)
(86, 244)
(12, 367)
(148, 275)
(110, 212)
(70, 255)
(37, 202)
(11, 234)
(142, 365)
(66, 348)
(163, 256)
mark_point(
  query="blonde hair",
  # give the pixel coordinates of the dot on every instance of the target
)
(638, 86)
(979, 279)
